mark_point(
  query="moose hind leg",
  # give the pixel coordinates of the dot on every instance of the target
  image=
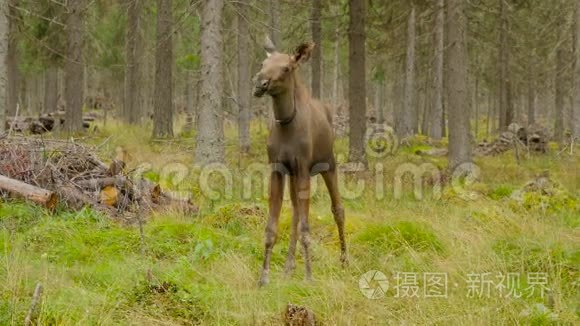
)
(271, 233)
(331, 181)
(302, 192)
(290, 260)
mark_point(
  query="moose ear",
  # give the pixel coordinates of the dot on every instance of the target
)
(303, 52)
(269, 45)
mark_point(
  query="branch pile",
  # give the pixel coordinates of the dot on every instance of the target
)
(55, 171)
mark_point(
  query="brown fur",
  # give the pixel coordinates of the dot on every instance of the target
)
(300, 144)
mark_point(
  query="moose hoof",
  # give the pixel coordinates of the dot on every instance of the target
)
(264, 280)
(289, 267)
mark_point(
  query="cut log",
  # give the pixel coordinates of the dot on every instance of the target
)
(35, 194)
(76, 200)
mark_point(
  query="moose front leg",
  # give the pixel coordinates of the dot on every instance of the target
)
(276, 197)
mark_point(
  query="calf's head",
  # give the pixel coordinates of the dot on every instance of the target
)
(275, 74)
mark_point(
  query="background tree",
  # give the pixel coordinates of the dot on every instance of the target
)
(357, 80)
(74, 70)
(316, 54)
(3, 62)
(131, 105)
(244, 85)
(408, 125)
(210, 134)
(576, 105)
(163, 99)
(12, 58)
(459, 139)
(436, 112)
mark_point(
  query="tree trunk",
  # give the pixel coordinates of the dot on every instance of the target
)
(243, 77)
(210, 132)
(74, 71)
(531, 95)
(50, 90)
(131, 103)
(317, 52)
(188, 101)
(409, 122)
(506, 104)
(3, 62)
(357, 80)
(275, 22)
(163, 98)
(13, 74)
(576, 78)
(559, 96)
(335, 79)
(476, 107)
(459, 142)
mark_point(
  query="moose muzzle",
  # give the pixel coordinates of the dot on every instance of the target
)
(261, 87)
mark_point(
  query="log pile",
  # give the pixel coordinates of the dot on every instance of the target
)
(43, 123)
(533, 139)
(48, 172)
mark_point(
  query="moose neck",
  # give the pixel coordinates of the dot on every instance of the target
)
(284, 102)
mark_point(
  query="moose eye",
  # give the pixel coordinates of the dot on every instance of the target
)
(286, 69)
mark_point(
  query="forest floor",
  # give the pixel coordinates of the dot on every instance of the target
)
(204, 268)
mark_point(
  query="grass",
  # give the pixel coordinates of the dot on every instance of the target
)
(205, 268)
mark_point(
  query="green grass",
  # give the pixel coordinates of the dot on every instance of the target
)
(204, 268)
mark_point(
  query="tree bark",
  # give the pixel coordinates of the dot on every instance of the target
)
(163, 98)
(74, 71)
(459, 140)
(210, 132)
(576, 78)
(243, 77)
(131, 103)
(357, 81)
(317, 52)
(3, 62)
(13, 73)
(336, 75)
(506, 104)
(50, 90)
(559, 96)
(275, 22)
(409, 122)
(531, 95)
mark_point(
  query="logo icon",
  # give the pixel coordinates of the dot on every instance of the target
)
(380, 141)
(373, 284)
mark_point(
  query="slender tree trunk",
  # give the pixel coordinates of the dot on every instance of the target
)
(275, 23)
(435, 128)
(476, 107)
(335, 79)
(459, 140)
(316, 53)
(409, 123)
(559, 96)
(531, 96)
(3, 62)
(576, 78)
(188, 101)
(357, 80)
(506, 109)
(74, 69)
(489, 117)
(210, 132)
(131, 105)
(163, 98)
(12, 59)
(243, 77)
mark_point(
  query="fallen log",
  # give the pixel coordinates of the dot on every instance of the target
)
(35, 194)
